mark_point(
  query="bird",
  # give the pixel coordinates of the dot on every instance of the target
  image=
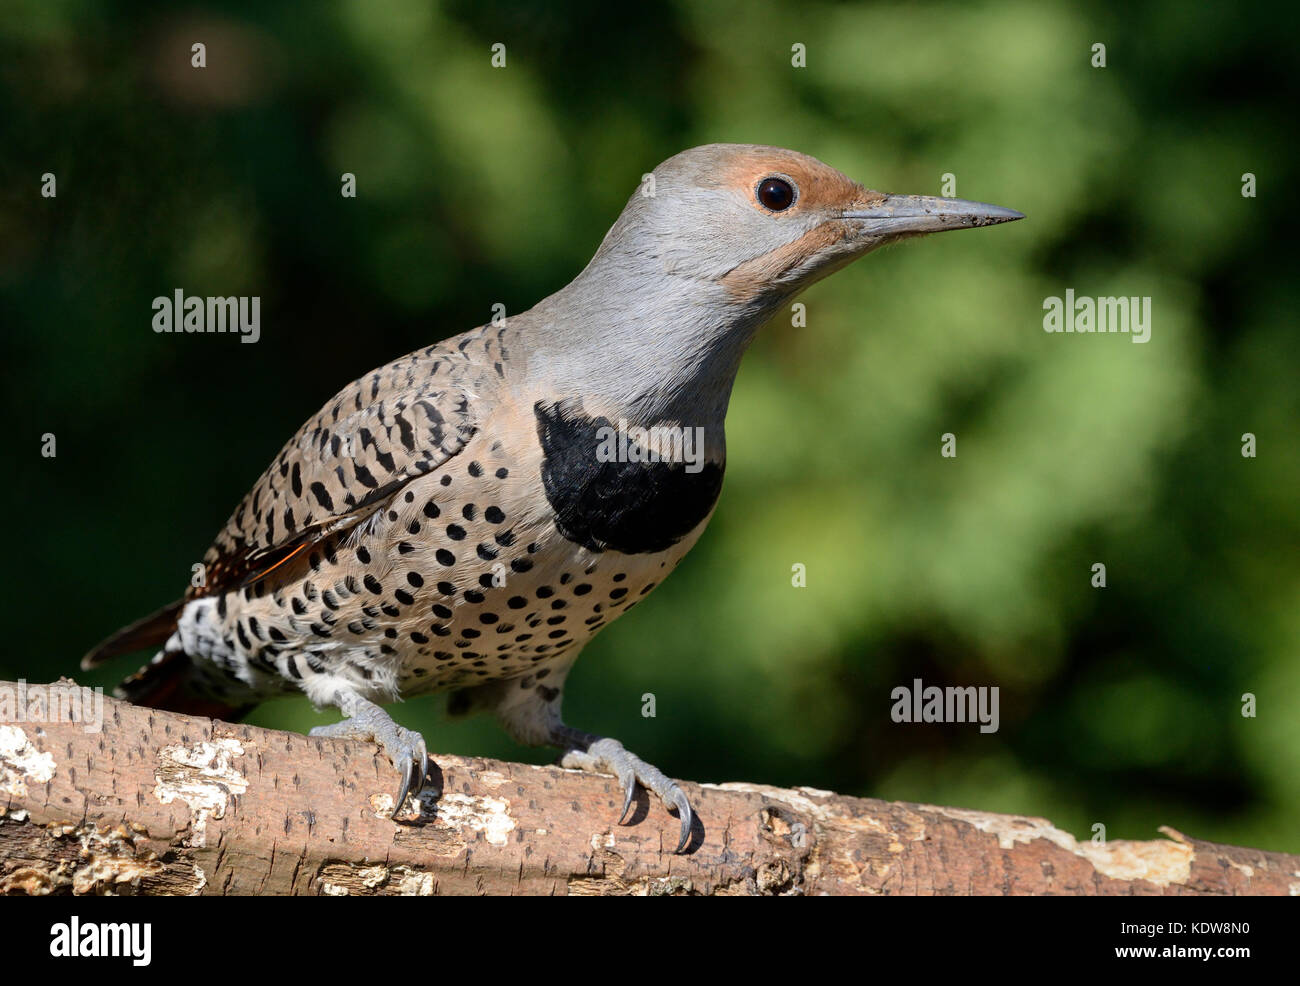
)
(468, 516)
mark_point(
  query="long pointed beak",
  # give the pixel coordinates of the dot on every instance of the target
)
(926, 214)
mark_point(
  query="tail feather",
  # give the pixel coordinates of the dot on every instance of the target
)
(146, 632)
(168, 682)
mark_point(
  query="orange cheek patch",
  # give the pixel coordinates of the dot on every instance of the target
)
(750, 279)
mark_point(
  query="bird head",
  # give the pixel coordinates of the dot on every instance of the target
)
(711, 244)
(764, 222)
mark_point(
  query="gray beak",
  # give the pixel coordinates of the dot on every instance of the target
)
(926, 214)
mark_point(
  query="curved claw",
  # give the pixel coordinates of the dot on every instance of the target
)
(413, 775)
(602, 755)
(629, 789)
(404, 747)
(421, 766)
(404, 790)
(688, 820)
(412, 783)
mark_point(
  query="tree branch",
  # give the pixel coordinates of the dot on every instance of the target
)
(167, 804)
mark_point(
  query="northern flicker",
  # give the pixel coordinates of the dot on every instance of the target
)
(461, 519)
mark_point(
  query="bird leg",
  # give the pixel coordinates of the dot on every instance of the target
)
(406, 748)
(601, 755)
(529, 709)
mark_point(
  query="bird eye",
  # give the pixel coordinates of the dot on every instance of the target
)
(776, 194)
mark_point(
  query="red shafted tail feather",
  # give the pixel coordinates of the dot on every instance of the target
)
(146, 632)
(167, 683)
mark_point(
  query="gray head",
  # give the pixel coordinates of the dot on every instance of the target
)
(703, 254)
(764, 222)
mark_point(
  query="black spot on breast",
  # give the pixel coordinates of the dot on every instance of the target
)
(632, 507)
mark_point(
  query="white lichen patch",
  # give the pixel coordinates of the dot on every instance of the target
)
(668, 886)
(365, 877)
(792, 797)
(801, 800)
(204, 777)
(346, 879)
(491, 778)
(1160, 862)
(21, 763)
(411, 883)
(491, 816)
(111, 863)
(816, 792)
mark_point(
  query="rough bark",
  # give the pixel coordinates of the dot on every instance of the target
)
(166, 804)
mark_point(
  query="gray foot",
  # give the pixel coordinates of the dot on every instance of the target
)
(583, 751)
(405, 747)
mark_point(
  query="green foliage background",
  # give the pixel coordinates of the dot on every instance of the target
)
(481, 185)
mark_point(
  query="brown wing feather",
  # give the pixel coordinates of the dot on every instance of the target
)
(378, 433)
(381, 431)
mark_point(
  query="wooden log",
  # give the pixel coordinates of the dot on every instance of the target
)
(159, 803)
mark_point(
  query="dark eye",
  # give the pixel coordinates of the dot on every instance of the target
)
(776, 194)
